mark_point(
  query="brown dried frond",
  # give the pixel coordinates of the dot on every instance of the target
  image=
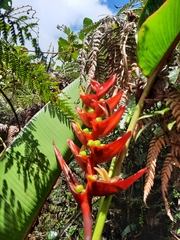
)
(175, 142)
(165, 176)
(156, 145)
(173, 102)
(110, 49)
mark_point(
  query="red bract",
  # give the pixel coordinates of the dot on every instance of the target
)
(83, 137)
(102, 154)
(86, 117)
(103, 128)
(82, 198)
(102, 89)
(102, 188)
(91, 100)
(84, 161)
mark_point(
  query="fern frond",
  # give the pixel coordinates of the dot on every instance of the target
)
(173, 102)
(156, 145)
(175, 142)
(165, 176)
(110, 49)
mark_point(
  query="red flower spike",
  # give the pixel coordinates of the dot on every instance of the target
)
(103, 128)
(83, 137)
(83, 199)
(102, 154)
(86, 117)
(101, 188)
(83, 161)
(102, 89)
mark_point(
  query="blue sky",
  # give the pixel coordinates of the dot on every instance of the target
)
(111, 3)
(68, 12)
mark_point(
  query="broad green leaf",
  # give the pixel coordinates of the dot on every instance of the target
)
(150, 7)
(158, 36)
(63, 44)
(29, 169)
(173, 75)
(87, 22)
(128, 229)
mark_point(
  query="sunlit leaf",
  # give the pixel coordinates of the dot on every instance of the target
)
(150, 7)
(29, 169)
(87, 22)
(158, 36)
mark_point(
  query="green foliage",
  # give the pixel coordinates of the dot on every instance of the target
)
(5, 4)
(68, 47)
(29, 168)
(150, 7)
(151, 55)
(17, 25)
(24, 79)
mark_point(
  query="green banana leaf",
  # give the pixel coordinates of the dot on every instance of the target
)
(158, 36)
(29, 169)
(150, 7)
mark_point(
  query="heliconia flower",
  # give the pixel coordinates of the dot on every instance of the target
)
(108, 186)
(90, 100)
(104, 127)
(80, 194)
(102, 89)
(84, 161)
(104, 153)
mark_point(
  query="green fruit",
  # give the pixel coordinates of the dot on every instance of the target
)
(79, 188)
(83, 153)
(85, 130)
(90, 143)
(98, 119)
(90, 110)
(97, 142)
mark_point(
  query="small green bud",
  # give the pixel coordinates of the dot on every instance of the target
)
(90, 143)
(82, 153)
(97, 142)
(98, 119)
(90, 110)
(79, 189)
(93, 177)
(85, 130)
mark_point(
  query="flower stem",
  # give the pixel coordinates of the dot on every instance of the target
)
(87, 219)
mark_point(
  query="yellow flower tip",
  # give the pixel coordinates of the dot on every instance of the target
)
(78, 125)
(93, 177)
(82, 91)
(103, 174)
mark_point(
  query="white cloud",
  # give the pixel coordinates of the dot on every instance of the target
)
(68, 12)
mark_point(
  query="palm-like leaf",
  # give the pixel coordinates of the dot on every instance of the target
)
(29, 169)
